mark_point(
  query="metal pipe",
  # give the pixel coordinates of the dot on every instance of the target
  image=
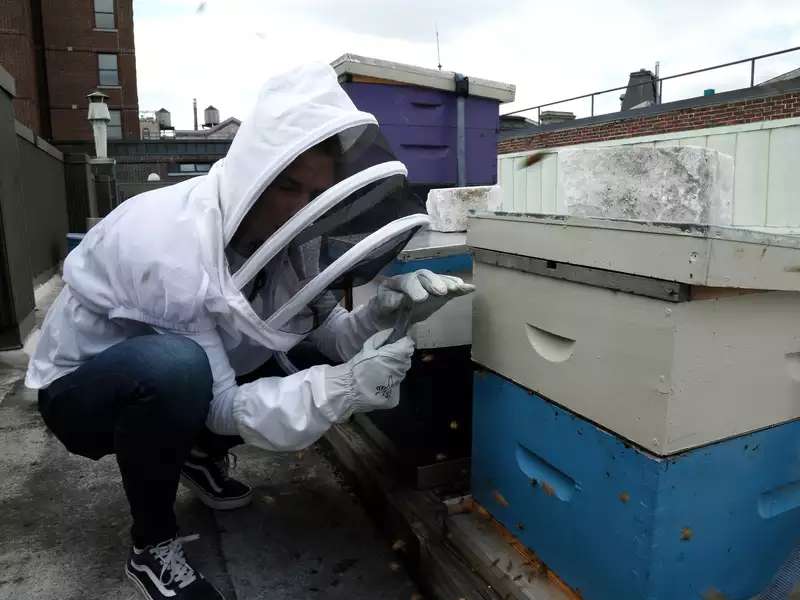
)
(592, 105)
(752, 72)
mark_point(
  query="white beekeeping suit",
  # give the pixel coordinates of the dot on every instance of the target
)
(165, 262)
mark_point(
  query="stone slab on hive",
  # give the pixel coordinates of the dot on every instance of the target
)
(677, 184)
(449, 207)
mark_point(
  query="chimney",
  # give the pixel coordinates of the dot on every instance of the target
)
(641, 90)
(194, 108)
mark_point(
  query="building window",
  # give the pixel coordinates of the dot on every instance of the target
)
(104, 14)
(107, 69)
(189, 169)
(115, 125)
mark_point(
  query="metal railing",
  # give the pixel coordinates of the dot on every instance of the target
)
(658, 82)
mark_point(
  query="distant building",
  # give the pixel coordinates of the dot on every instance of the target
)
(158, 125)
(60, 51)
(148, 126)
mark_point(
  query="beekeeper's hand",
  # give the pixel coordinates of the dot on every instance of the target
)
(423, 292)
(371, 379)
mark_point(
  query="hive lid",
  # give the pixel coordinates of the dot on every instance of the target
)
(352, 64)
(434, 244)
(761, 258)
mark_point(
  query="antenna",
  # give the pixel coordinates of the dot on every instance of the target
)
(658, 82)
(438, 52)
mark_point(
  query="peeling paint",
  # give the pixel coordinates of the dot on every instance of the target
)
(548, 489)
(500, 499)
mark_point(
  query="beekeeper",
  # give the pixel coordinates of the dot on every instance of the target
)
(183, 289)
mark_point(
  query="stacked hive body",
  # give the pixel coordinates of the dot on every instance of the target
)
(635, 411)
(429, 433)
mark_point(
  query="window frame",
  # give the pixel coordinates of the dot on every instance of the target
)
(113, 14)
(182, 169)
(101, 70)
(113, 111)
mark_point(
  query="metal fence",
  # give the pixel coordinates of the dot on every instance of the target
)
(659, 81)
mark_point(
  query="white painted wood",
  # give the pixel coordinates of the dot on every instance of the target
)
(706, 256)
(506, 181)
(760, 189)
(783, 185)
(622, 346)
(695, 141)
(533, 195)
(678, 135)
(520, 185)
(668, 377)
(663, 143)
(725, 143)
(354, 64)
(736, 367)
(750, 182)
(549, 183)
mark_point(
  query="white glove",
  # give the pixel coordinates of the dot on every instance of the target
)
(371, 379)
(423, 291)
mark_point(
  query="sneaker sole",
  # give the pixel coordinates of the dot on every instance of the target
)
(216, 503)
(137, 583)
(147, 595)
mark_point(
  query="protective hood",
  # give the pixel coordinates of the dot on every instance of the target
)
(307, 140)
(167, 257)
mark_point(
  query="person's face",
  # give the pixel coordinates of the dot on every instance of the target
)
(309, 175)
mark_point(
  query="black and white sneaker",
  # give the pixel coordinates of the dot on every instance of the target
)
(161, 571)
(210, 480)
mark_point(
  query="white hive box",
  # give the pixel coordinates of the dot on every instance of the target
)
(670, 336)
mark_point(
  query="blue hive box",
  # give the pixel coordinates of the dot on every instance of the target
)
(616, 522)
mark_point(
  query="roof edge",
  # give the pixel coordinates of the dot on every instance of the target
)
(776, 88)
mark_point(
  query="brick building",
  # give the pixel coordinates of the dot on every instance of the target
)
(60, 50)
(776, 99)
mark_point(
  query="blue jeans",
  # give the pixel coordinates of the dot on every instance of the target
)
(144, 400)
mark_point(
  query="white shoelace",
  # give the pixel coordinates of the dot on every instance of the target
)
(227, 464)
(170, 554)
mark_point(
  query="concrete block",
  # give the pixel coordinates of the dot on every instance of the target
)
(449, 207)
(678, 184)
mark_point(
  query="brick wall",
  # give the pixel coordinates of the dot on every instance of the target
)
(72, 45)
(685, 119)
(50, 47)
(17, 55)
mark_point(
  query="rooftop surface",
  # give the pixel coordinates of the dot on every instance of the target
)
(64, 520)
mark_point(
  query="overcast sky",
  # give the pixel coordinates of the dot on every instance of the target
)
(220, 51)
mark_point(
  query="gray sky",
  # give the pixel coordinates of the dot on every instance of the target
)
(220, 51)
